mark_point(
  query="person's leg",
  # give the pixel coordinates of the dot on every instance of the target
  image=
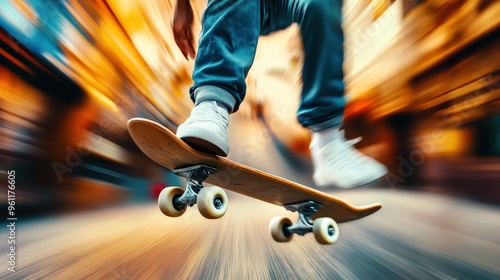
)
(335, 159)
(322, 103)
(227, 45)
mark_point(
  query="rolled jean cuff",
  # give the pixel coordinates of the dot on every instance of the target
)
(213, 93)
(335, 122)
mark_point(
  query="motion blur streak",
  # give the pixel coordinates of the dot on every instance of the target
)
(440, 239)
(423, 90)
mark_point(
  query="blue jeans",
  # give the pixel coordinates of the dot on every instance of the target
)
(228, 41)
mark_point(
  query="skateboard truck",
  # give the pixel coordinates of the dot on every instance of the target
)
(306, 209)
(325, 229)
(212, 200)
(195, 175)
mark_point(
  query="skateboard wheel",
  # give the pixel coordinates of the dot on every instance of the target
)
(279, 229)
(167, 202)
(212, 202)
(326, 230)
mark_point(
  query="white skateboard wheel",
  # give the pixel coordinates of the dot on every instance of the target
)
(279, 229)
(212, 202)
(166, 202)
(326, 230)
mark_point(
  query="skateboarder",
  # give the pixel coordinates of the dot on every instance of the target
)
(227, 45)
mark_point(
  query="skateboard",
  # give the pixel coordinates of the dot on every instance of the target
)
(318, 212)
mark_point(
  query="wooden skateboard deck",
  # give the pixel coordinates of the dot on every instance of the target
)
(165, 148)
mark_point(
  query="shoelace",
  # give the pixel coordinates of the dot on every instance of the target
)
(343, 156)
(203, 115)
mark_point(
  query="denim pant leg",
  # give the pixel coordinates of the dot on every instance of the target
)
(322, 104)
(227, 45)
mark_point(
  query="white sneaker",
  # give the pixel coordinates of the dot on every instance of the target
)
(338, 163)
(206, 129)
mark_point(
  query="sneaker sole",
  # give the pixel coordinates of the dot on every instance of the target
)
(356, 185)
(204, 146)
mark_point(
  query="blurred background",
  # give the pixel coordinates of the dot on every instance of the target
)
(423, 90)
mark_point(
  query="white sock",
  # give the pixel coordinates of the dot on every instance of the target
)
(217, 103)
(321, 138)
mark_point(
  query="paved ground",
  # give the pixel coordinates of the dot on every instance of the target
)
(415, 236)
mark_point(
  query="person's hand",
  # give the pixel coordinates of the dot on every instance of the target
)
(183, 35)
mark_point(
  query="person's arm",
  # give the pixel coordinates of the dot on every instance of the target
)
(183, 35)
